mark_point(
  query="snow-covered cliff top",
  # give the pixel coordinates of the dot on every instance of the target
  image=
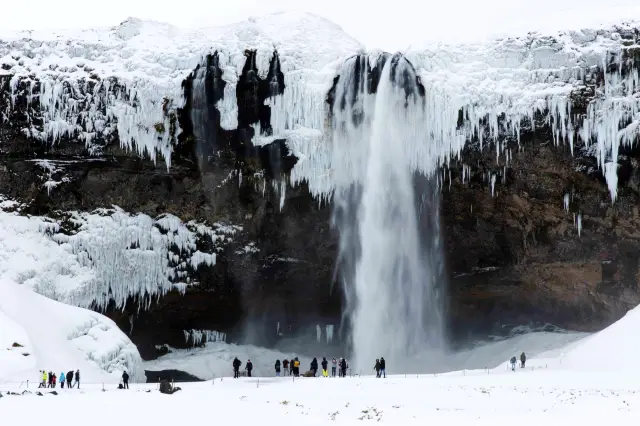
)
(511, 78)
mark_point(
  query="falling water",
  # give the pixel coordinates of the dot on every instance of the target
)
(395, 311)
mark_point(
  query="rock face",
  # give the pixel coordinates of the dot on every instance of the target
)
(517, 253)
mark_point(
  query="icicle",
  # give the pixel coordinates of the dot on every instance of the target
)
(579, 224)
(329, 332)
(493, 184)
(566, 202)
(318, 333)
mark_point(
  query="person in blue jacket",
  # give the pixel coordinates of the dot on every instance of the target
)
(62, 380)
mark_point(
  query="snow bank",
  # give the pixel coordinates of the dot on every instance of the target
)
(16, 351)
(613, 349)
(106, 255)
(60, 337)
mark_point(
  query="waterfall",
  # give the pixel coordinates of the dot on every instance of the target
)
(394, 308)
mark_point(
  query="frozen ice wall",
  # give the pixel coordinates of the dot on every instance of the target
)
(395, 311)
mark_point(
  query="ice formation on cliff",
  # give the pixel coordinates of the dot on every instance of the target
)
(128, 78)
(200, 337)
(107, 255)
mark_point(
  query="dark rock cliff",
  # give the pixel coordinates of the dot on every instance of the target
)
(513, 258)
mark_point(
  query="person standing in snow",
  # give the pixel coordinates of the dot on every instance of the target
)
(325, 363)
(69, 379)
(296, 367)
(343, 367)
(383, 367)
(523, 359)
(377, 368)
(236, 368)
(249, 367)
(277, 368)
(125, 380)
(49, 379)
(43, 378)
(62, 380)
(334, 364)
(513, 363)
(55, 381)
(77, 376)
(314, 366)
(285, 365)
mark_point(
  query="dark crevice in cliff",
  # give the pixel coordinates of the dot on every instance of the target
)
(366, 78)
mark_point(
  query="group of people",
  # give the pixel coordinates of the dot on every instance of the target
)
(50, 380)
(337, 365)
(523, 360)
(292, 367)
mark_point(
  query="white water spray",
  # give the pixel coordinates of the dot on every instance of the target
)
(396, 313)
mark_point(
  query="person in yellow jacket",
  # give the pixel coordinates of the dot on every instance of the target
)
(296, 367)
(43, 384)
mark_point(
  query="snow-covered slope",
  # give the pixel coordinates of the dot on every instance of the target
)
(16, 351)
(610, 350)
(60, 337)
(128, 78)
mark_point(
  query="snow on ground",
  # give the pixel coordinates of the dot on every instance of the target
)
(524, 398)
(598, 382)
(15, 348)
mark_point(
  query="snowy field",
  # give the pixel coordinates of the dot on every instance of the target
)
(497, 398)
(592, 380)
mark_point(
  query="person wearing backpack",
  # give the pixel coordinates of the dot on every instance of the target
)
(62, 377)
(513, 363)
(236, 367)
(125, 380)
(277, 368)
(523, 359)
(69, 379)
(383, 367)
